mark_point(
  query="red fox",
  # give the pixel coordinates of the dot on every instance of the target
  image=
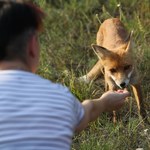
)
(114, 50)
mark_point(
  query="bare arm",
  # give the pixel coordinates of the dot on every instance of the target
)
(109, 101)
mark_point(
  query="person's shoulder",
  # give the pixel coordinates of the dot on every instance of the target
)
(53, 85)
(58, 86)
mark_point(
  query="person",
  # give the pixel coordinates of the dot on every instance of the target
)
(35, 113)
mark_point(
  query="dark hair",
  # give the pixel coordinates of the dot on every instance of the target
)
(15, 20)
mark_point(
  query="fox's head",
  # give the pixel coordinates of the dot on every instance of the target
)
(118, 63)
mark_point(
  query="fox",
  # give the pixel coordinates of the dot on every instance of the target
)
(114, 48)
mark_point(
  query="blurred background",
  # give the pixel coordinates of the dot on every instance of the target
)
(66, 54)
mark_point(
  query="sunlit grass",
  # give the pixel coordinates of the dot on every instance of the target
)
(70, 29)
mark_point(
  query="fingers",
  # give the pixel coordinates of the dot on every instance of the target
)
(114, 100)
(124, 93)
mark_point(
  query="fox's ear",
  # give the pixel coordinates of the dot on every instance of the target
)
(100, 51)
(129, 41)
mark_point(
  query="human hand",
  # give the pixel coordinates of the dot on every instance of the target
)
(109, 101)
(113, 100)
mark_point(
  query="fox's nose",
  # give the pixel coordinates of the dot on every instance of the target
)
(123, 85)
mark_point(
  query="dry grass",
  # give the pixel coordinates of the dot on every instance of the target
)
(66, 53)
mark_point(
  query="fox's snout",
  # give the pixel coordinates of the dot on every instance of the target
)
(123, 85)
(122, 80)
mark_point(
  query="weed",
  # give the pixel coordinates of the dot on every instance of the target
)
(70, 29)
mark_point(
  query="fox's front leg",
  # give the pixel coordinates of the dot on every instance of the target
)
(139, 99)
(93, 74)
(95, 71)
(110, 85)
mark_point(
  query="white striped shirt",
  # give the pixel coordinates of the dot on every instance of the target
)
(36, 114)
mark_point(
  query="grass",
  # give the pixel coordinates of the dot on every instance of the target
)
(70, 29)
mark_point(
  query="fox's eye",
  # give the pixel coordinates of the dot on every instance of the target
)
(113, 70)
(127, 67)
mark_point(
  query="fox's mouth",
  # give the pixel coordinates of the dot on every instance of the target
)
(123, 85)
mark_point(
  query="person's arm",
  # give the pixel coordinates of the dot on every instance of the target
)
(109, 101)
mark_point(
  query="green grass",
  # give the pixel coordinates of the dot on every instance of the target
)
(70, 29)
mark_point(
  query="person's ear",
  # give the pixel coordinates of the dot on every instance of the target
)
(33, 53)
(32, 46)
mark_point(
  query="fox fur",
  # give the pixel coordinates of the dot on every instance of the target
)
(114, 49)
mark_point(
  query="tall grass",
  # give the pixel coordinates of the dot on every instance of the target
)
(70, 29)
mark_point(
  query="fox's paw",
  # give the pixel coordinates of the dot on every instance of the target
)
(84, 79)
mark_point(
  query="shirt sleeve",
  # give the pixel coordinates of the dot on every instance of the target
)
(78, 110)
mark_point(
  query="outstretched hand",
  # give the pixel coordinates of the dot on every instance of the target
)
(109, 101)
(113, 100)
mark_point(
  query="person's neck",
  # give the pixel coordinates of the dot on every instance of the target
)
(13, 65)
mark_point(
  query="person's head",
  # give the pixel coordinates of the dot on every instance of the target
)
(19, 26)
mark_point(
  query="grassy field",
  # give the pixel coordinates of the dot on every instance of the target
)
(70, 29)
